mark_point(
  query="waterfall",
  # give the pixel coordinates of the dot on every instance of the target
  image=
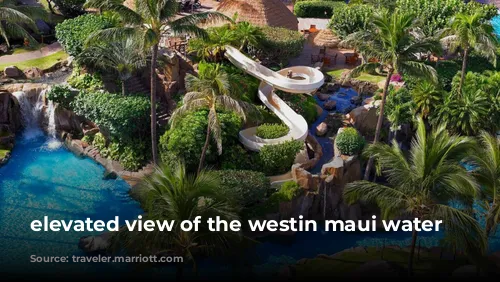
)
(51, 117)
(31, 113)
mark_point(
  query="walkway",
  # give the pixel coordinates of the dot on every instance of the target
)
(43, 52)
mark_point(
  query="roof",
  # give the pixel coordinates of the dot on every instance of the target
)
(260, 12)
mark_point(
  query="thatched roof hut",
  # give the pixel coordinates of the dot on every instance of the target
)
(325, 38)
(260, 12)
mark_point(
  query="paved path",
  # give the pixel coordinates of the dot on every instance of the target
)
(43, 52)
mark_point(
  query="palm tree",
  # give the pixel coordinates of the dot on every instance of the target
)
(171, 194)
(213, 47)
(148, 24)
(426, 96)
(14, 19)
(248, 34)
(395, 44)
(487, 172)
(212, 91)
(422, 184)
(123, 56)
(470, 32)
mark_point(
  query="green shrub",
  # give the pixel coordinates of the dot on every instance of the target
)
(188, 137)
(125, 117)
(132, 158)
(280, 44)
(317, 9)
(350, 19)
(304, 105)
(350, 142)
(287, 192)
(279, 158)
(99, 141)
(73, 33)
(62, 95)
(246, 186)
(272, 131)
(88, 139)
(86, 81)
(237, 158)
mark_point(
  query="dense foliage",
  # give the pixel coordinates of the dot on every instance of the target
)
(70, 8)
(126, 118)
(248, 187)
(280, 44)
(186, 139)
(271, 131)
(62, 95)
(351, 18)
(350, 142)
(304, 105)
(279, 158)
(317, 9)
(399, 108)
(72, 33)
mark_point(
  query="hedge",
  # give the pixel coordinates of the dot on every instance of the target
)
(352, 18)
(304, 105)
(317, 9)
(73, 33)
(271, 131)
(280, 44)
(125, 117)
(279, 158)
(246, 186)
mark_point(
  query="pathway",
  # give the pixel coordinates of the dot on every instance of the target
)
(42, 52)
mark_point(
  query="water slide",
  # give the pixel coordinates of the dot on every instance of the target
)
(304, 80)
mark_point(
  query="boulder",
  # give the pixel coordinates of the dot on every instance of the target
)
(321, 129)
(303, 177)
(4, 48)
(333, 87)
(90, 132)
(330, 105)
(109, 175)
(12, 72)
(95, 244)
(356, 100)
(364, 119)
(334, 168)
(323, 97)
(33, 73)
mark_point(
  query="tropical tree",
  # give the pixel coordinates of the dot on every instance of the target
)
(212, 91)
(486, 161)
(213, 47)
(470, 32)
(395, 45)
(123, 56)
(16, 18)
(422, 184)
(151, 21)
(426, 96)
(248, 34)
(171, 194)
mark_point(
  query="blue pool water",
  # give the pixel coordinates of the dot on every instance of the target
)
(496, 25)
(39, 181)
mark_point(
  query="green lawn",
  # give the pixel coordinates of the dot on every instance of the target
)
(22, 50)
(41, 63)
(363, 76)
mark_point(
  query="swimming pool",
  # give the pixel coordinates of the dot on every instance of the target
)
(46, 180)
(496, 25)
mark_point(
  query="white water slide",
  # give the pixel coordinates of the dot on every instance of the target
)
(304, 80)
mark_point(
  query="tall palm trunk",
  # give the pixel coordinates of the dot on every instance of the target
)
(123, 87)
(154, 147)
(464, 68)
(412, 251)
(380, 121)
(204, 150)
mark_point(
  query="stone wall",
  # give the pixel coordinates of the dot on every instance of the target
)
(10, 123)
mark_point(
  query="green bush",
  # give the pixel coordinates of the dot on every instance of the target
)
(350, 142)
(272, 131)
(317, 9)
(350, 19)
(280, 44)
(304, 105)
(237, 158)
(99, 141)
(72, 33)
(248, 187)
(125, 117)
(62, 95)
(287, 192)
(279, 158)
(86, 81)
(132, 158)
(88, 139)
(186, 140)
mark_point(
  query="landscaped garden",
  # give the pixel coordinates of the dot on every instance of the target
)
(410, 130)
